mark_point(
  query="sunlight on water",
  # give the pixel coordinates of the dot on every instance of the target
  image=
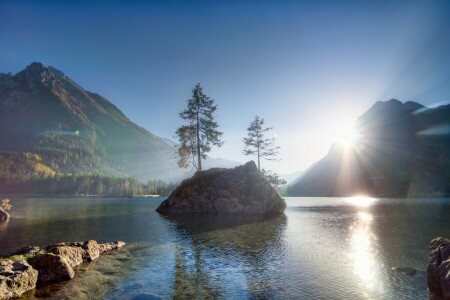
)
(362, 201)
(363, 252)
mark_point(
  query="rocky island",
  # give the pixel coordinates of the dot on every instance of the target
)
(30, 267)
(4, 216)
(240, 190)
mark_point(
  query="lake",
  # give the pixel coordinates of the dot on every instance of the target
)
(320, 248)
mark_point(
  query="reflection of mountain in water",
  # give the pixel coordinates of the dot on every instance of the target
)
(244, 246)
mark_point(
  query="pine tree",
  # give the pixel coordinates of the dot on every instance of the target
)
(273, 178)
(257, 144)
(201, 133)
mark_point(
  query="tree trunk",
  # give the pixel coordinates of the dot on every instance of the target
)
(199, 158)
(258, 158)
(259, 169)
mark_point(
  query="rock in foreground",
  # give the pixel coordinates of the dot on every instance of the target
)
(31, 266)
(438, 270)
(241, 190)
(16, 278)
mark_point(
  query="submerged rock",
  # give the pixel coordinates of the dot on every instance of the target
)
(240, 190)
(438, 269)
(27, 250)
(4, 216)
(16, 278)
(406, 270)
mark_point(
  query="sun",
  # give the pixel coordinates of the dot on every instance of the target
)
(348, 136)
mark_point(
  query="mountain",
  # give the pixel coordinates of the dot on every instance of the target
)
(291, 177)
(50, 125)
(403, 150)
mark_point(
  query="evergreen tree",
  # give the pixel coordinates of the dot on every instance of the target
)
(201, 133)
(273, 178)
(257, 144)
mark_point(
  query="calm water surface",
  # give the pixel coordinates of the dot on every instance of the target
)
(321, 248)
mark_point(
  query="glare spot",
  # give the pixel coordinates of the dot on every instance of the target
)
(348, 137)
(362, 201)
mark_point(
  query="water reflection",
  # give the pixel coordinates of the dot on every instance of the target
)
(363, 253)
(3, 226)
(223, 249)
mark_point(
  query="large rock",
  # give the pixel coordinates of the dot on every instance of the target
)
(77, 253)
(92, 250)
(51, 268)
(4, 216)
(72, 254)
(16, 277)
(241, 190)
(438, 270)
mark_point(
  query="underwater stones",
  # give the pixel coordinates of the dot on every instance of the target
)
(406, 270)
(240, 190)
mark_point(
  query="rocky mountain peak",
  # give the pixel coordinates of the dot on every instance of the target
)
(393, 105)
(36, 75)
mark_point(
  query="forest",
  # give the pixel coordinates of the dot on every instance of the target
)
(85, 185)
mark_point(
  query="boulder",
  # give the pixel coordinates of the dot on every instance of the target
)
(240, 190)
(74, 255)
(438, 269)
(4, 216)
(110, 246)
(16, 277)
(51, 268)
(92, 250)
(77, 253)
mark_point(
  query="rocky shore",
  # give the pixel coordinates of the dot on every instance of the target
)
(31, 267)
(438, 270)
(240, 190)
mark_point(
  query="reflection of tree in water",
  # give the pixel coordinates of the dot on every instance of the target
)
(216, 247)
(3, 227)
(193, 282)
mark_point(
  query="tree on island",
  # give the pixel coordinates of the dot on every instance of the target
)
(257, 144)
(273, 178)
(6, 204)
(201, 133)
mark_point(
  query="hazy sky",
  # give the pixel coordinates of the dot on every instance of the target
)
(308, 68)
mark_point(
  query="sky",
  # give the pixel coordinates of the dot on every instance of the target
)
(309, 68)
